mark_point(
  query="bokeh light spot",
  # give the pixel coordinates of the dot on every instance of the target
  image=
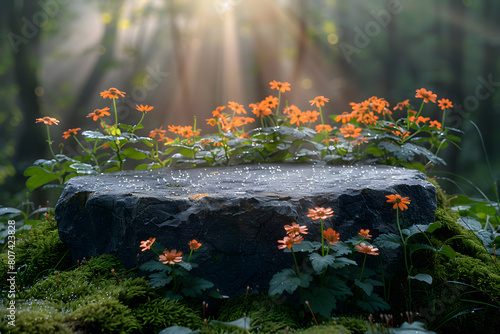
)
(39, 91)
(306, 83)
(333, 39)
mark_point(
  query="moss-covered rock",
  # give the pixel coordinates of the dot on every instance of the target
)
(104, 315)
(34, 317)
(159, 313)
(268, 313)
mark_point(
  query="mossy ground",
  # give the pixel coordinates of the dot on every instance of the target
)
(90, 298)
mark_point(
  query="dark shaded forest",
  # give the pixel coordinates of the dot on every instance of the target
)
(188, 57)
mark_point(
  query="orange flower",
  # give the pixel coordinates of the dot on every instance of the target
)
(260, 110)
(187, 131)
(344, 118)
(320, 213)
(367, 249)
(47, 120)
(170, 257)
(236, 107)
(360, 141)
(295, 229)
(112, 93)
(99, 113)
(216, 112)
(288, 242)
(331, 140)
(350, 130)
(400, 105)
(70, 132)
(323, 127)
(310, 116)
(419, 119)
(143, 109)
(211, 121)
(368, 118)
(398, 201)
(160, 132)
(281, 86)
(365, 233)
(331, 236)
(292, 110)
(147, 244)
(435, 124)
(296, 118)
(422, 93)
(319, 101)
(445, 104)
(193, 244)
(174, 128)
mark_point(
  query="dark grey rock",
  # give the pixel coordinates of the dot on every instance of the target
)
(237, 213)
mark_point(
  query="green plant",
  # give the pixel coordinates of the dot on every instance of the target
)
(285, 134)
(172, 272)
(324, 285)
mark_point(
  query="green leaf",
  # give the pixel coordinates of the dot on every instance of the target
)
(322, 300)
(38, 177)
(434, 226)
(319, 263)
(304, 246)
(134, 153)
(288, 280)
(160, 279)
(448, 251)
(178, 330)
(153, 265)
(422, 277)
(365, 286)
(194, 286)
(372, 303)
(243, 323)
(416, 247)
(82, 168)
(388, 241)
(341, 262)
(340, 248)
(185, 265)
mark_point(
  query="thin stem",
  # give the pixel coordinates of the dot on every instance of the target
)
(322, 241)
(116, 113)
(362, 268)
(278, 106)
(191, 253)
(295, 259)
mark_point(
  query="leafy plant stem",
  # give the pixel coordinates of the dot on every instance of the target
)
(116, 113)
(295, 259)
(49, 141)
(87, 151)
(322, 241)
(362, 268)
(278, 106)
(176, 287)
(191, 253)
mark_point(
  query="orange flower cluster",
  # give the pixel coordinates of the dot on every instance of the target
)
(185, 131)
(293, 236)
(281, 86)
(229, 123)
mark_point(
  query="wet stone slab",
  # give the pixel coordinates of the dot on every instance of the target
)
(237, 213)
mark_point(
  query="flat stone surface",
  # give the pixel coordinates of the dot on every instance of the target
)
(237, 213)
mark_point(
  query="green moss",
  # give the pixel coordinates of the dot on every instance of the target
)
(160, 313)
(268, 313)
(34, 318)
(104, 315)
(356, 325)
(332, 328)
(40, 251)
